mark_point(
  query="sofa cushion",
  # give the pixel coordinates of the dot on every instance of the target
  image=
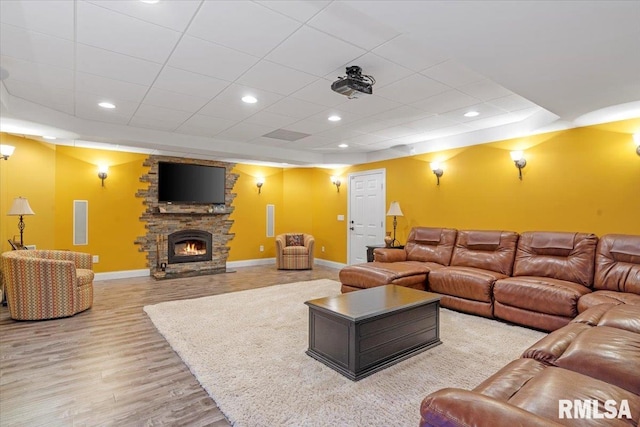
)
(550, 348)
(428, 244)
(606, 297)
(295, 250)
(375, 273)
(510, 378)
(542, 394)
(466, 282)
(609, 354)
(294, 240)
(487, 250)
(617, 265)
(540, 294)
(547, 254)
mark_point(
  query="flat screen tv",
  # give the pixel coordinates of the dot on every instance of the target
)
(188, 183)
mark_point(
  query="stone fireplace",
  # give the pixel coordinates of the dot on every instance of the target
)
(189, 246)
(185, 239)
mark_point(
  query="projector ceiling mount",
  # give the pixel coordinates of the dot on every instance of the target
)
(354, 83)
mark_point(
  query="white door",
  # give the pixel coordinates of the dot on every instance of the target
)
(366, 213)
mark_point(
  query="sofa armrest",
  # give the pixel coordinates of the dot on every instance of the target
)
(389, 255)
(456, 407)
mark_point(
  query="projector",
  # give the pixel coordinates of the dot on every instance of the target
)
(354, 83)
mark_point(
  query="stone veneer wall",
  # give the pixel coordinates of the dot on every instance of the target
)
(163, 219)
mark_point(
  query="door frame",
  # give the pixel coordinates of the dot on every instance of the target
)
(351, 175)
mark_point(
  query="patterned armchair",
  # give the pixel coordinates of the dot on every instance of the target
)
(47, 284)
(294, 251)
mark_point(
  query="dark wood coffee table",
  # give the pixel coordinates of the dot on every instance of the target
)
(362, 332)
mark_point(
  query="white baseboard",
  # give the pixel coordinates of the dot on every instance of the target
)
(251, 262)
(331, 264)
(124, 274)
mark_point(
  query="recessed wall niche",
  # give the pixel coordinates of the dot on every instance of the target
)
(163, 219)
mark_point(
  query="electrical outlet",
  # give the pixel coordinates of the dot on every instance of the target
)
(261, 248)
(323, 249)
(96, 259)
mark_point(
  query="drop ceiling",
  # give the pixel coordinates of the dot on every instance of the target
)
(177, 70)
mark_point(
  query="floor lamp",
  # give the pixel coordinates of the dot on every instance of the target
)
(20, 208)
(394, 211)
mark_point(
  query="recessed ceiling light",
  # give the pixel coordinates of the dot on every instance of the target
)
(150, 1)
(107, 105)
(343, 145)
(335, 118)
(48, 137)
(249, 99)
(471, 114)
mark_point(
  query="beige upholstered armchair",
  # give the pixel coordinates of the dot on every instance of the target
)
(47, 284)
(294, 251)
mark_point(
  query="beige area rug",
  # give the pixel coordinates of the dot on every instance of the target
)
(247, 349)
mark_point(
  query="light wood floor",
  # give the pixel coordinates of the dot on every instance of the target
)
(109, 365)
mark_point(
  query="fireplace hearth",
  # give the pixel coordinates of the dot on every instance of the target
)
(189, 246)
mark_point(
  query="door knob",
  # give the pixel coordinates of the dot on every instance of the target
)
(351, 228)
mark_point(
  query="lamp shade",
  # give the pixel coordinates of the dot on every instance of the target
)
(394, 209)
(20, 207)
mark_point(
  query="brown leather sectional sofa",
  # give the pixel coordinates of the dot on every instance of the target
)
(537, 279)
(591, 363)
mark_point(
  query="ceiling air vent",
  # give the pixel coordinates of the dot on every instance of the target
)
(286, 135)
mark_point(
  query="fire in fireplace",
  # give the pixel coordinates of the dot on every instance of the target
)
(189, 246)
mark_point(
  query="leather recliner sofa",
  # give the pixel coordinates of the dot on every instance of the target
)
(539, 279)
(594, 360)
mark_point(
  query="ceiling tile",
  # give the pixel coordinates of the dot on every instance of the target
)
(115, 66)
(369, 105)
(300, 10)
(169, 115)
(512, 103)
(431, 123)
(452, 73)
(244, 131)
(394, 132)
(296, 52)
(485, 110)
(398, 116)
(485, 90)
(189, 83)
(199, 124)
(47, 76)
(445, 101)
(228, 104)
(120, 33)
(90, 83)
(53, 18)
(175, 15)
(411, 52)
(174, 101)
(267, 118)
(295, 108)
(342, 21)
(366, 139)
(35, 47)
(311, 126)
(201, 56)
(87, 106)
(148, 123)
(412, 89)
(57, 99)
(319, 92)
(276, 78)
(246, 26)
(263, 141)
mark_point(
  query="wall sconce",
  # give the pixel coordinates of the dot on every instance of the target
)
(519, 161)
(6, 151)
(336, 181)
(259, 183)
(636, 139)
(436, 168)
(102, 172)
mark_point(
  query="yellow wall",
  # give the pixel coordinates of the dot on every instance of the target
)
(29, 173)
(585, 179)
